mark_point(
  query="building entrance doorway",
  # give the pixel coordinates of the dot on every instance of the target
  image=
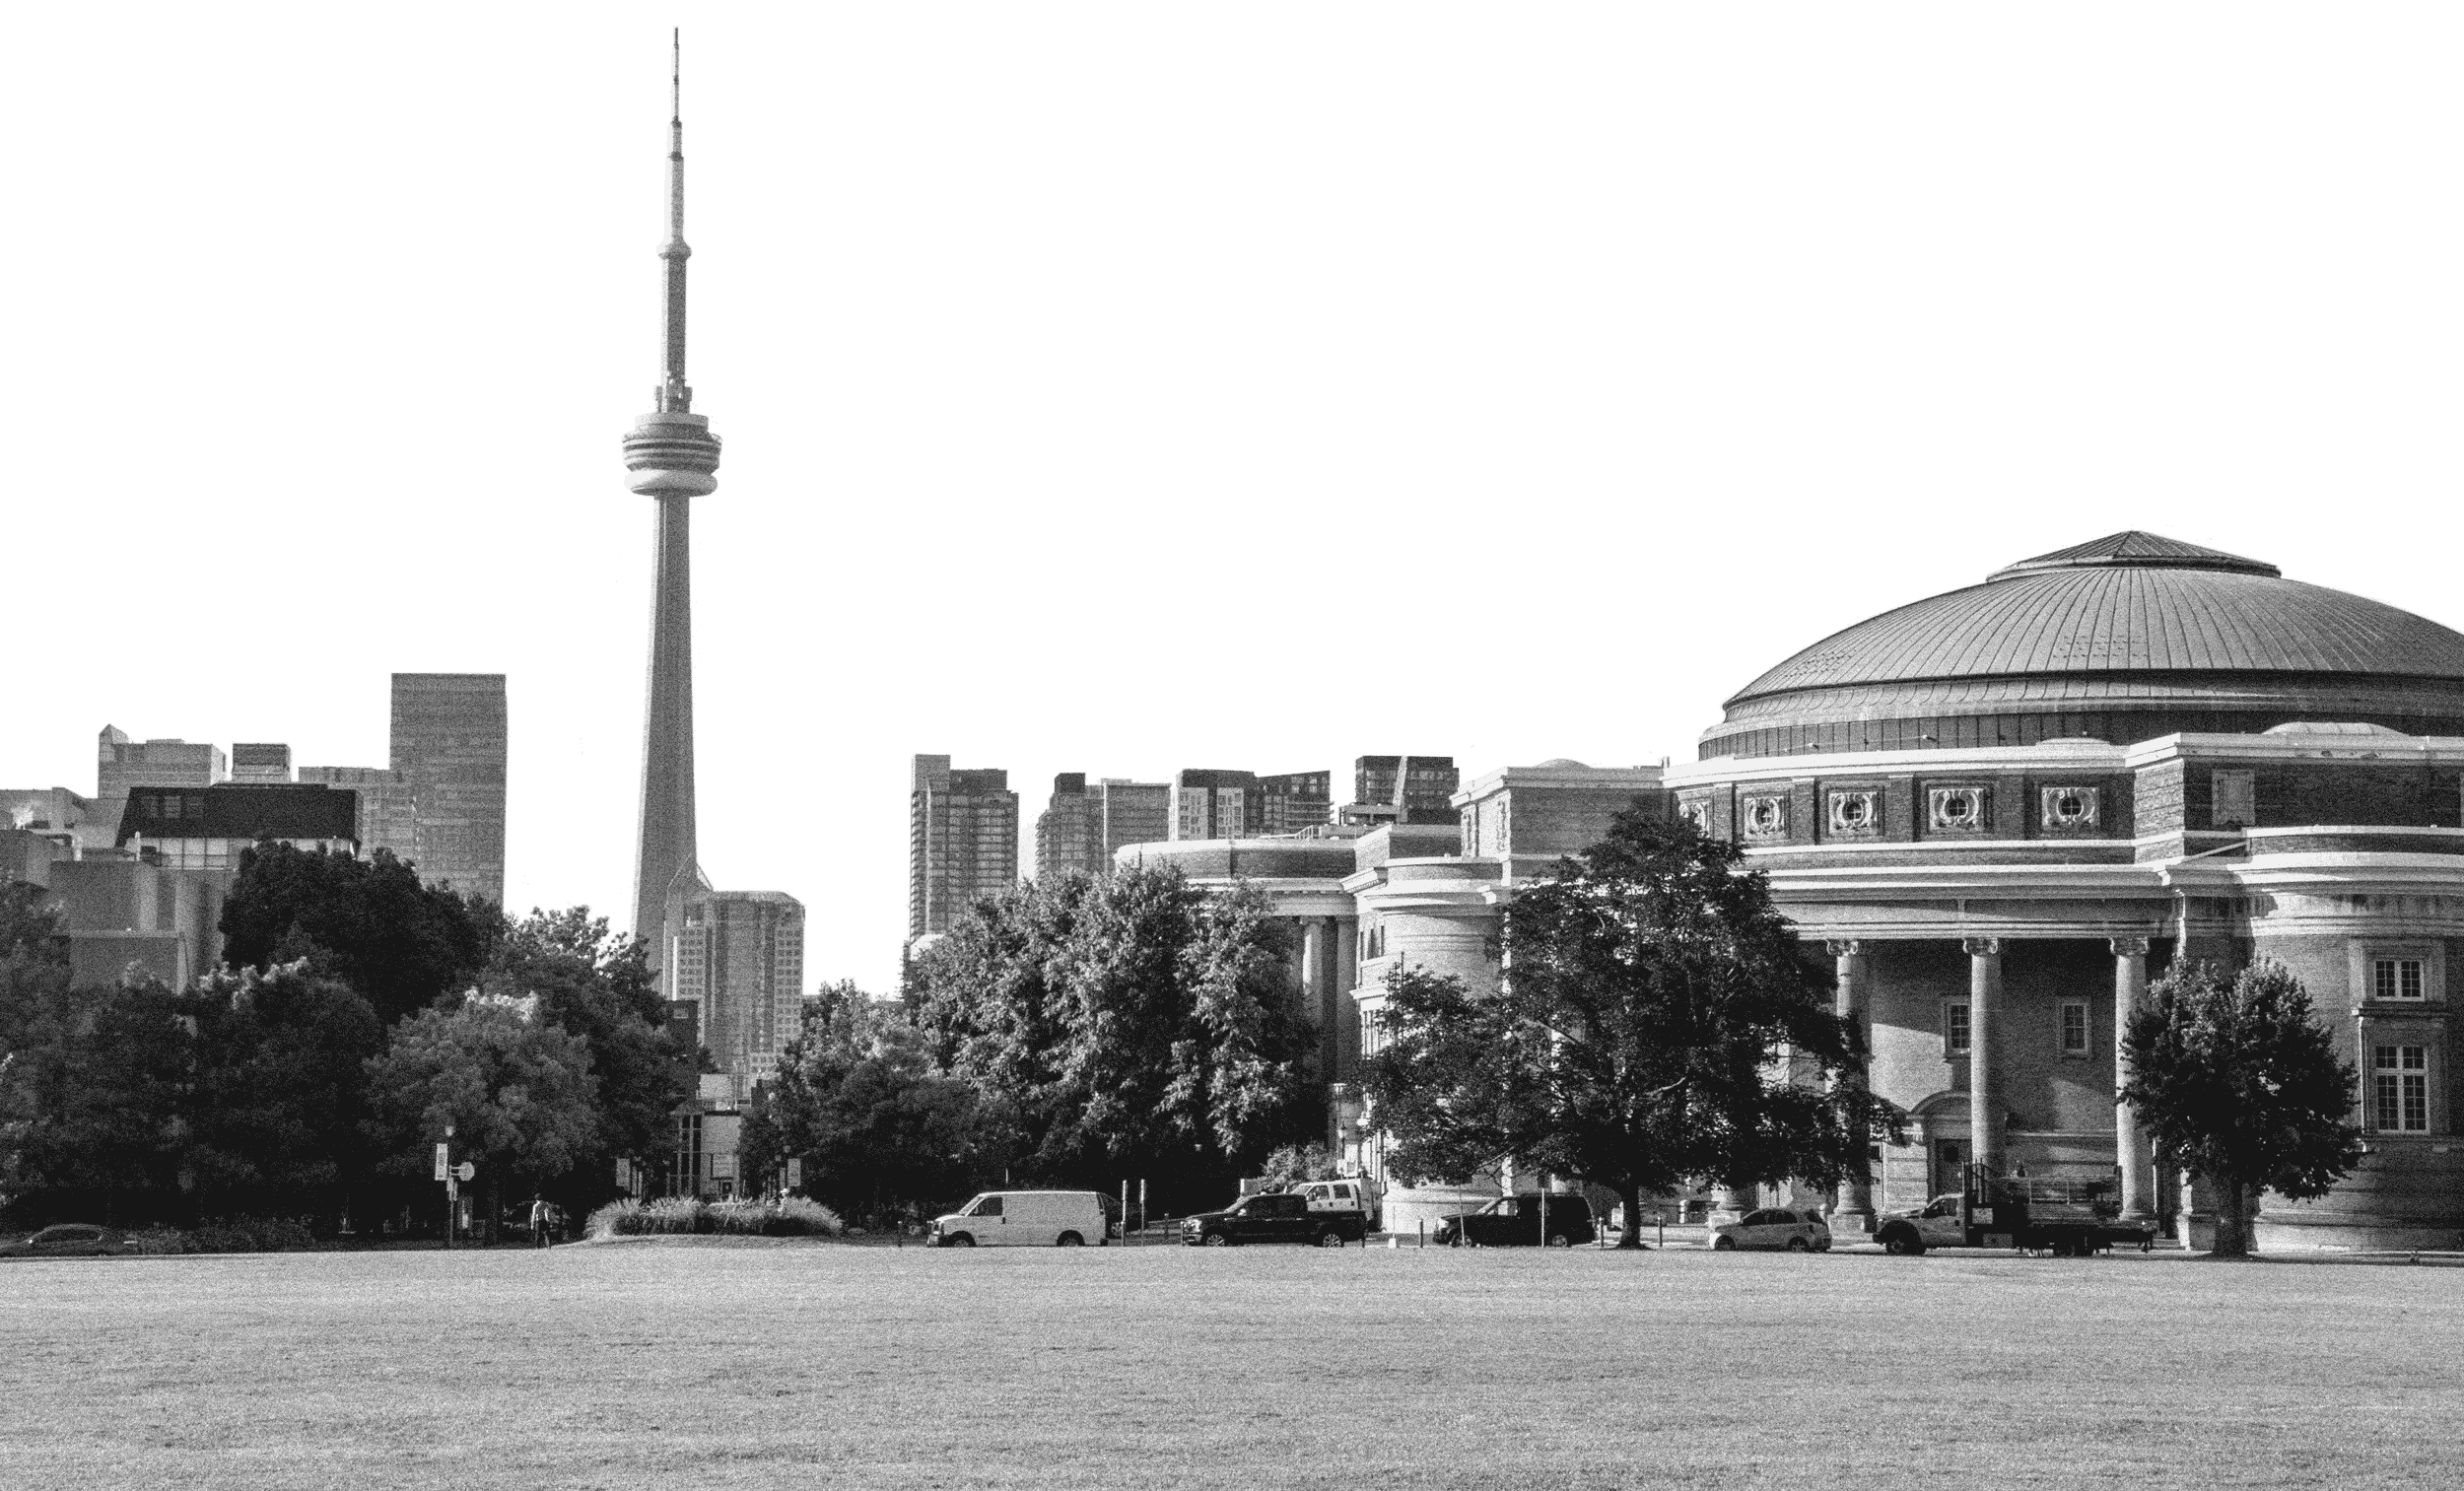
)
(1950, 1159)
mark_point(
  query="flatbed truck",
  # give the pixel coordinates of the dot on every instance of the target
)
(2062, 1216)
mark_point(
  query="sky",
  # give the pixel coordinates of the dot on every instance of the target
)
(1121, 388)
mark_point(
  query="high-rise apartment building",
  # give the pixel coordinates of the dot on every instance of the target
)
(1086, 824)
(1130, 812)
(1069, 833)
(739, 957)
(259, 762)
(449, 746)
(1294, 801)
(388, 813)
(1209, 803)
(1401, 789)
(962, 841)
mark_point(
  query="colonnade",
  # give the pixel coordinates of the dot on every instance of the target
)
(1987, 1142)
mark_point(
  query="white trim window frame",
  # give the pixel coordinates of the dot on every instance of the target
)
(2072, 1035)
(1956, 1029)
(2400, 1089)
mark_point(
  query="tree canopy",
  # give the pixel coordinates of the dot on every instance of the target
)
(1126, 1025)
(2234, 1079)
(1654, 1024)
(369, 922)
(517, 1091)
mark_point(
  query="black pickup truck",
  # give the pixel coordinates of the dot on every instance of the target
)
(1277, 1218)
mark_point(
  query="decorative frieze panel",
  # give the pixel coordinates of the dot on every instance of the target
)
(1956, 810)
(1763, 816)
(1854, 812)
(2068, 808)
(1698, 813)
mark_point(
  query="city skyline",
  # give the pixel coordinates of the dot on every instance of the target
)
(1677, 323)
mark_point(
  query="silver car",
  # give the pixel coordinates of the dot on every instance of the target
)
(1773, 1227)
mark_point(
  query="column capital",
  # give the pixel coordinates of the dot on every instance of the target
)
(1982, 947)
(2129, 947)
(1844, 948)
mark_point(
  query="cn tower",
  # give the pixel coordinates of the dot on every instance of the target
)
(673, 458)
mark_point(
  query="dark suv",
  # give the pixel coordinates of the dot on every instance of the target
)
(1273, 1219)
(1515, 1221)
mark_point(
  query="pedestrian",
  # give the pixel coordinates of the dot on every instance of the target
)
(539, 1211)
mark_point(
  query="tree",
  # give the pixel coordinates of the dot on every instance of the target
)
(517, 1090)
(2237, 1081)
(856, 1100)
(599, 986)
(277, 1106)
(1654, 1024)
(91, 1094)
(369, 922)
(1126, 1025)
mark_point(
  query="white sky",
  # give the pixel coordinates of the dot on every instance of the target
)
(1121, 388)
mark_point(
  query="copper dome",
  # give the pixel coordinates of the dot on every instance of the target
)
(2123, 638)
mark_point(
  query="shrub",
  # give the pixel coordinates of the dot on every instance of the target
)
(246, 1234)
(793, 1217)
(160, 1240)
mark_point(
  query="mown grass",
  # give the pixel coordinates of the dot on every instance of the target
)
(676, 1363)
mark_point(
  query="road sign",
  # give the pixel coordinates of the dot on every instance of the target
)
(466, 1170)
(442, 1162)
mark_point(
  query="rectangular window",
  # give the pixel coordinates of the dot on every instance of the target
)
(1954, 1029)
(2074, 1027)
(2396, 978)
(2400, 1089)
(2235, 799)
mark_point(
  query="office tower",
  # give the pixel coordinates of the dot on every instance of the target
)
(962, 841)
(1131, 812)
(388, 813)
(449, 745)
(1401, 789)
(258, 762)
(738, 956)
(1209, 803)
(673, 458)
(1296, 800)
(1069, 832)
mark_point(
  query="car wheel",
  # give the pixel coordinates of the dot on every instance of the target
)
(1069, 1240)
(1217, 1239)
(958, 1239)
(1559, 1240)
(1799, 1244)
(1329, 1239)
(1723, 1244)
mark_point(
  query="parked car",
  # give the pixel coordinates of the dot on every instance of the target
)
(1517, 1222)
(1779, 1227)
(1023, 1219)
(1273, 1218)
(68, 1240)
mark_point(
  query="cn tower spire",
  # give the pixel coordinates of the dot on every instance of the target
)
(673, 458)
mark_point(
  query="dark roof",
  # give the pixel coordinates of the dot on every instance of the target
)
(2125, 607)
(288, 810)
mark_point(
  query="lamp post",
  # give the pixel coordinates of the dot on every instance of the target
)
(452, 1197)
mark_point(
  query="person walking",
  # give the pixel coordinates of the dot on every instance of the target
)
(539, 1221)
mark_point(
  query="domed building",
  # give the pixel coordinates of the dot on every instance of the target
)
(2003, 808)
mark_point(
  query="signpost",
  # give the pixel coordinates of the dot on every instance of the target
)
(445, 1173)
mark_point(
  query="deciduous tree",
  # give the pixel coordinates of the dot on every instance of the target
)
(2236, 1080)
(1654, 1024)
(369, 922)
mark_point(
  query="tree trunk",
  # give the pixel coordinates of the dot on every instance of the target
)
(1631, 1197)
(2233, 1236)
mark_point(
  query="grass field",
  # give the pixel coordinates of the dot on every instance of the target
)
(676, 1363)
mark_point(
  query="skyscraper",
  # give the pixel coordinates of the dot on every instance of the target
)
(450, 748)
(1068, 832)
(1131, 812)
(739, 956)
(673, 458)
(388, 814)
(962, 841)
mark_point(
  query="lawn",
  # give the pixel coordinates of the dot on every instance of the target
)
(764, 1364)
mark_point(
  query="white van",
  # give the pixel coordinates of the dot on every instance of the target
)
(1022, 1219)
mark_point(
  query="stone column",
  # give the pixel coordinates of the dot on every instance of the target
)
(2130, 1146)
(1312, 983)
(1984, 1104)
(1855, 1212)
(1328, 1009)
(1346, 1008)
